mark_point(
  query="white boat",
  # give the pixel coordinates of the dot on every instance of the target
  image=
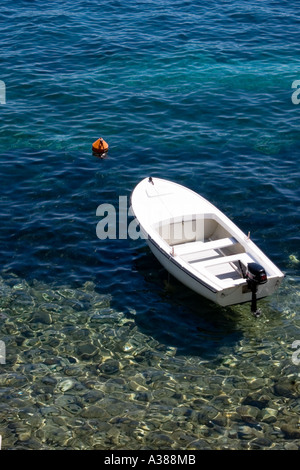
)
(201, 247)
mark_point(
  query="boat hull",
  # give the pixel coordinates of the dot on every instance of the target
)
(225, 298)
(198, 245)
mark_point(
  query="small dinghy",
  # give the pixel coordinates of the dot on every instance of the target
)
(200, 246)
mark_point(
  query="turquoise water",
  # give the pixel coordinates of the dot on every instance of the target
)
(103, 350)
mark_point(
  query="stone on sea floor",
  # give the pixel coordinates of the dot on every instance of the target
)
(110, 366)
(142, 396)
(93, 396)
(269, 415)
(159, 440)
(206, 414)
(248, 413)
(257, 400)
(50, 410)
(290, 431)
(23, 437)
(66, 385)
(291, 446)
(93, 412)
(260, 443)
(286, 388)
(87, 350)
(56, 435)
(294, 259)
(72, 371)
(246, 432)
(42, 317)
(69, 403)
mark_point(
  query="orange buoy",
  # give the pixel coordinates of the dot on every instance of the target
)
(100, 146)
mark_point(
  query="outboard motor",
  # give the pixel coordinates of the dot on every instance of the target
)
(255, 275)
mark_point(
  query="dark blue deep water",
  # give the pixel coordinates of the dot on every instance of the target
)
(102, 350)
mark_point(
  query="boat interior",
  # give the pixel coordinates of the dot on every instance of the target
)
(206, 244)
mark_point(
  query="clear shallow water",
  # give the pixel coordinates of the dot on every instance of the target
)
(103, 352)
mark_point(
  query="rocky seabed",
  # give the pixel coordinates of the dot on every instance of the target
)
(81, 375)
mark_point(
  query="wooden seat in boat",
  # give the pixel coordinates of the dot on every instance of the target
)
(198, 246)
